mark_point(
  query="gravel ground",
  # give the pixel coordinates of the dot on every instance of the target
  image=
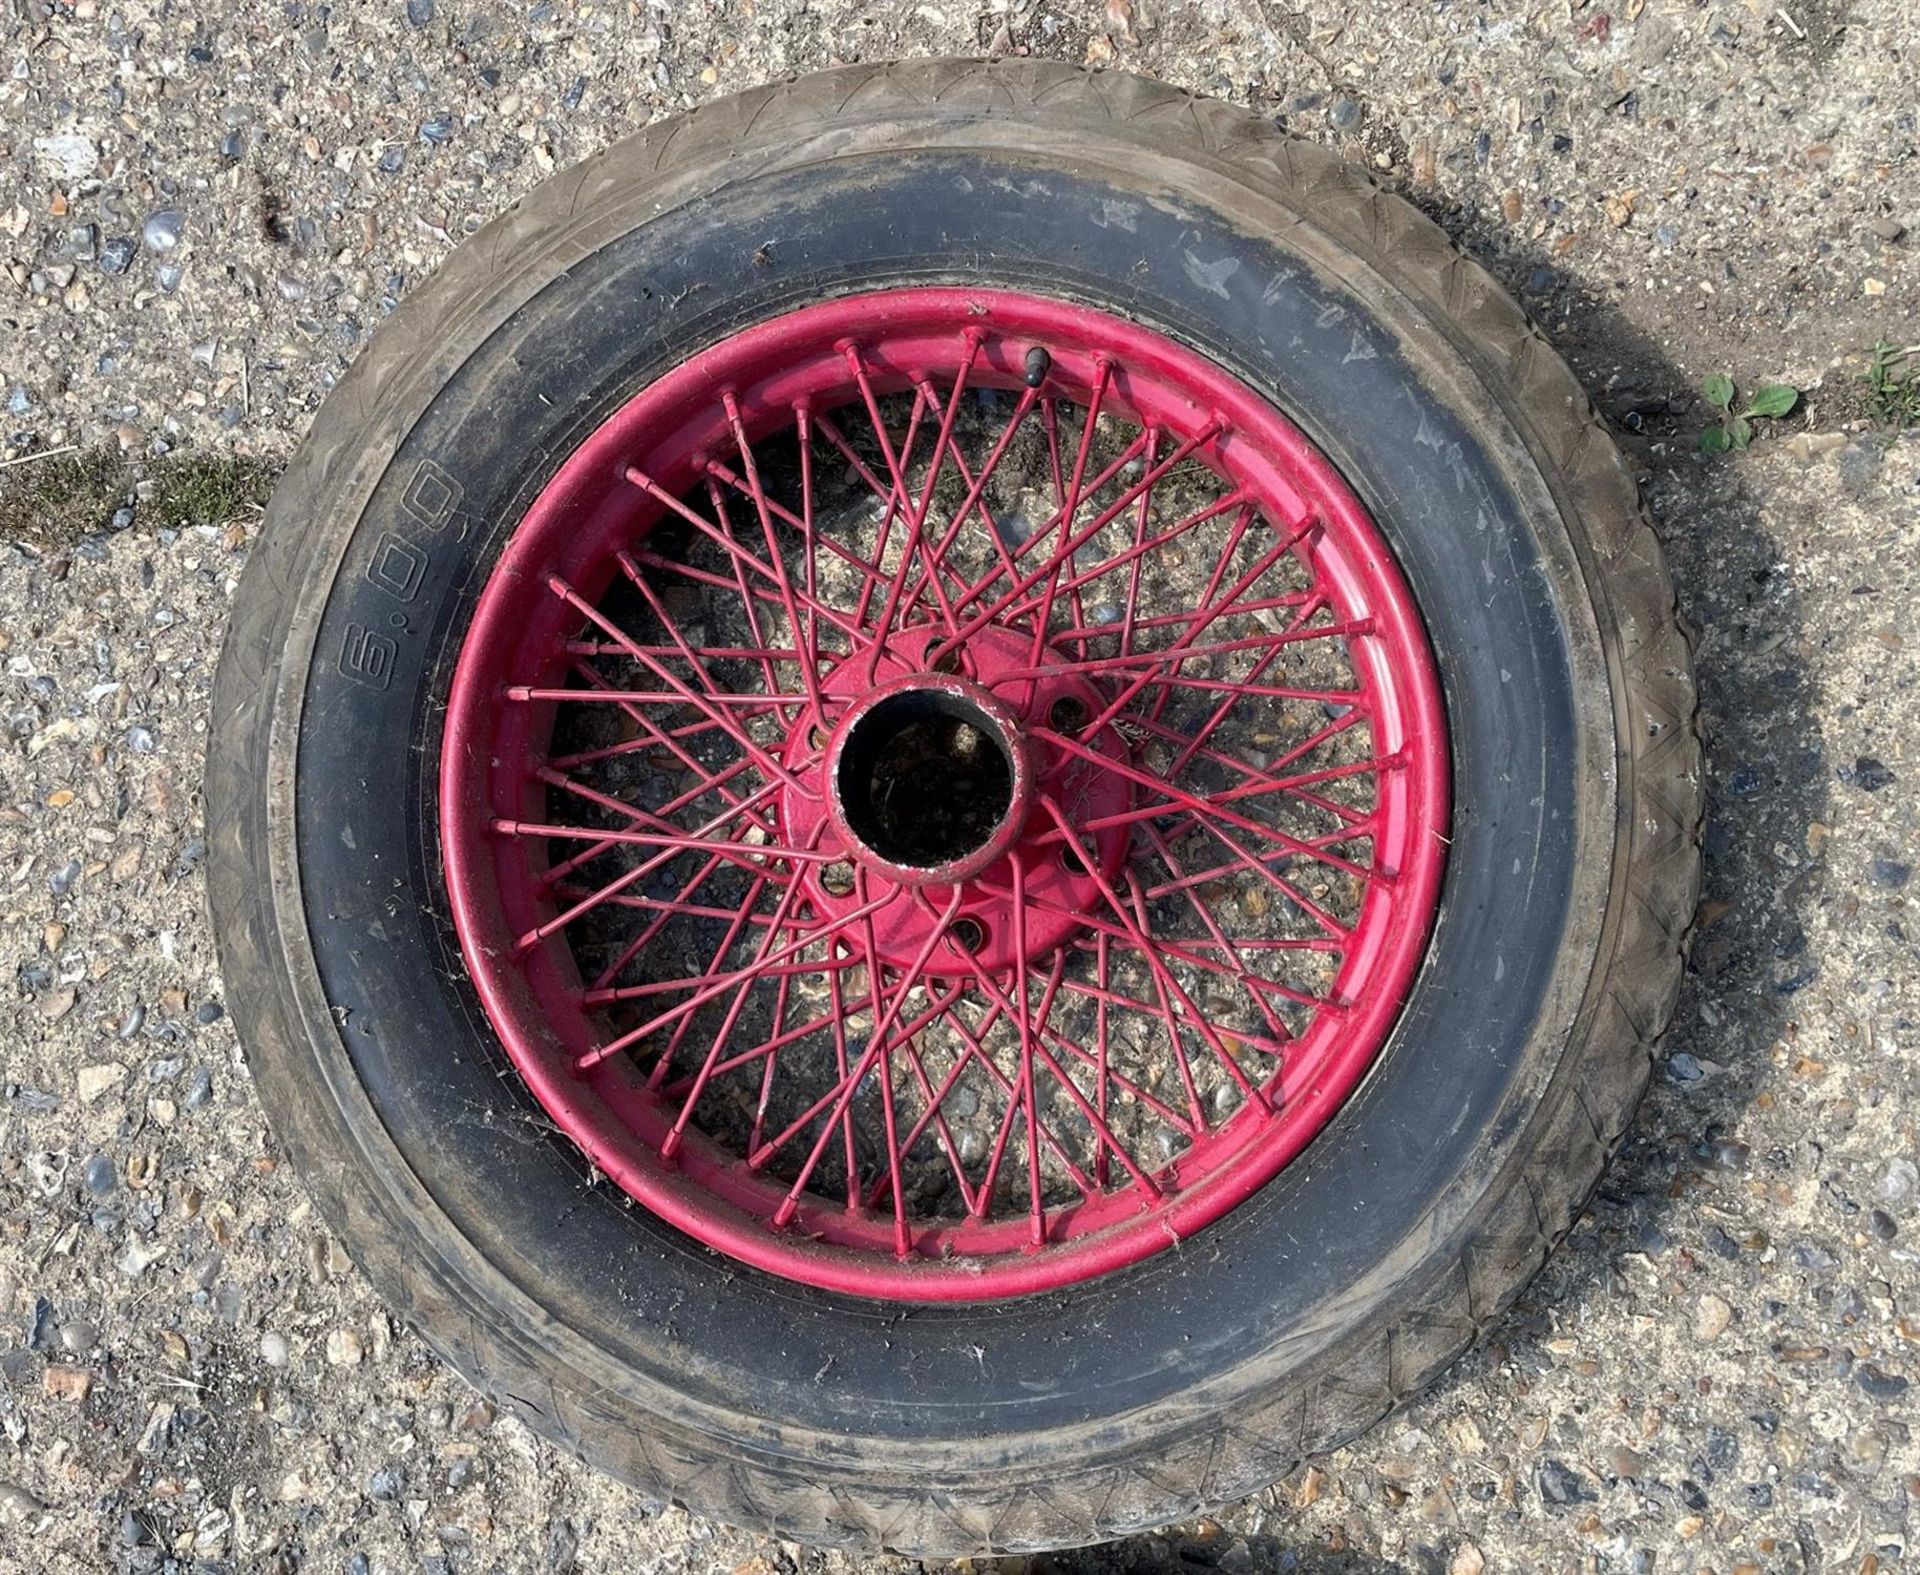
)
(205, 207)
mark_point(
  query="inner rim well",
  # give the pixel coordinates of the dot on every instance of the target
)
(925, 777)
(1159, 381)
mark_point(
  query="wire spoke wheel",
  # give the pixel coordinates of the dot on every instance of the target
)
(951, 806)
(943, 794)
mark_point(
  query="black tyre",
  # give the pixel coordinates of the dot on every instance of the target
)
(889, 1343)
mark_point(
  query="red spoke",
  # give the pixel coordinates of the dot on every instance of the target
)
(1073, 543)
(841, 1065)
(1295, 786)
(1135, 661)
(749, 979)
(912, 548)
(747, 853)
(603, 845)
(1069, 493)
(619, 806)
(1206, 917)
(972, 502)
(949, 1146)
(702, 653)
(1102, 953)
(737, 555)
(671, 1049)
(652, 737)
(1206, 811)
(973, 1052)
(620, 883)
(1183, 950)
(1085, 634)
(896, 495)
(693, 1003)
(713, 704)
(760, 1052)
(751, 704)
(1131, 622)
(842, 1096)
(1273, 878)
(668, 910)
(774, 556)
(1126, 1085)
(970, 1052)
(1165, 985)
(1233, 503)
(1140, 492)
(771, 1065)
(767, 598)
(1037, 1229)
(1273, 1047)
(1213, 607)
(803, 524)
(748, 609)
(889, 1122)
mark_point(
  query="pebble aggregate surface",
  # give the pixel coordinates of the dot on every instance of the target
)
(205, 210)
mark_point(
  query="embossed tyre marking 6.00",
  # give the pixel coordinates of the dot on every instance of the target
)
(951, 804)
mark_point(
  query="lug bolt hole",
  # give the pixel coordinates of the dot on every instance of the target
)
(817, 737)
(838, 879)
(1071, 860)
(949, 662)
(968, 934)
(1068, 714)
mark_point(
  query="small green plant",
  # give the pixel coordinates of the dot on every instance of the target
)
(51, 501)
(1893, 394)
(61, 497)
(207, 489)
(1770, 402)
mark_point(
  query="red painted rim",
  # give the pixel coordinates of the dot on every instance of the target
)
(927, 731)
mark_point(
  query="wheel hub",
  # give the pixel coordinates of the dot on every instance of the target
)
(918, 789)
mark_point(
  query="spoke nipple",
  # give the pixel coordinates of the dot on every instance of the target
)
(1039, 360)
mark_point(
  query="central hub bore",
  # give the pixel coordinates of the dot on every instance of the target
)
(929, 779)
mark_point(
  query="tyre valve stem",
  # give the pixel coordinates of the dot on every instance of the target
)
(1038, 362)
